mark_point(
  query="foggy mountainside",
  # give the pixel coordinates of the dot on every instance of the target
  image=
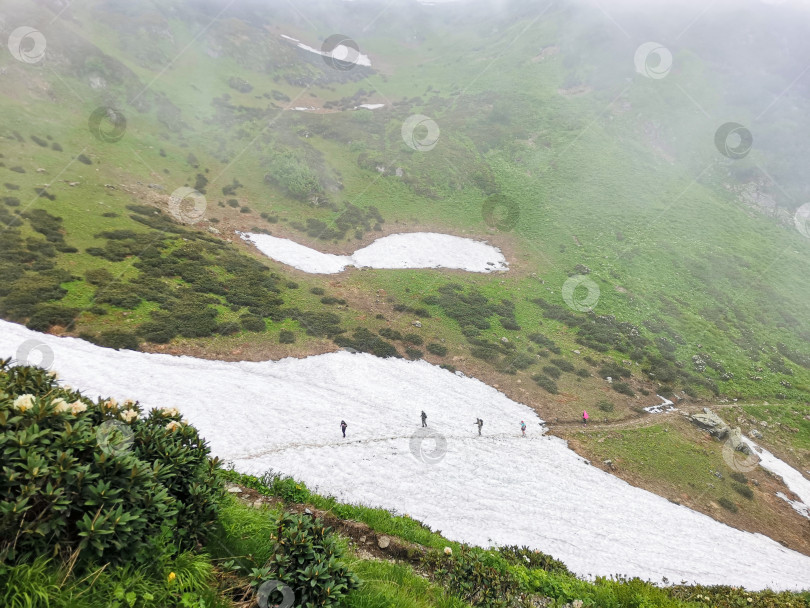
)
(312, 212)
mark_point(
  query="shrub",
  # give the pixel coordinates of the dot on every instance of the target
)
(564, 365)
(318, 291)
(475, 575)
(415, 339)
(90, 487)
(98, 276)
(546, 383)
(413, 353)
(552, 371)
(308, 558)
(623, 388)
(291, 285)
(47, 315)
(437, 349)
(522, 361)
(605, 405)
(391, 334)
(532, 559)
(84, 159)
(366, 342)
(738, 477)
(727, 504)
(743, 490)
(114, 338)
(251, 322)
(332, 300)
(285, 336)
(228, 328)
(583, 373)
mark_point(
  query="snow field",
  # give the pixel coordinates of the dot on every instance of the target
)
(499, 488)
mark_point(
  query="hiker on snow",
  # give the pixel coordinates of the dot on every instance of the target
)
(523, 428)
(585, 417)
(424, 418)
(480, 423)
(343, 426)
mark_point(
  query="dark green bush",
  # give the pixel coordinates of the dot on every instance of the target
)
(309, 559)
(437, 349)
(391, 334)
(583, 373)
(532, 559)
(81, 483)
(332, 300)
(546, 383)
(623, 388)
(413, 353)
(479, 577)
(738, 477)
(228, 328)
(414, 339)
(564, 365)
(743, 490)
(98, 276)
(318, 291)
(285, 336)
(252, 322)
(727, 504)
(605, 405)
(366, 342)
(552, 371)
(47, 315)
(117, 339)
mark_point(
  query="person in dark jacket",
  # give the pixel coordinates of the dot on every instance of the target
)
(343, 426)
(480, 423)
(424, 418)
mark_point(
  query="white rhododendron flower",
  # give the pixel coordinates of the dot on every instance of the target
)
(60, 405)
(448, 551)
(173, 425)
(54, 375)
(110, 404)
(77, 407)
(170, 411)
(24, 402)
(129, 403)
(129, 415)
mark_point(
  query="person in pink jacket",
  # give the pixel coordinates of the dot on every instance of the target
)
(585, 417)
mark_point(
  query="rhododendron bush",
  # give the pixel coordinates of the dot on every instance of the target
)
(100, 480)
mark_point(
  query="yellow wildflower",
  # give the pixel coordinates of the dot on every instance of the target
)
(172, 576)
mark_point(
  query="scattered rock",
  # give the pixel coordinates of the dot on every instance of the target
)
(504, 339)
(417, 324)
(234, 490)
(383, 542)
(711, 422)
(755, 434)
(362, 539)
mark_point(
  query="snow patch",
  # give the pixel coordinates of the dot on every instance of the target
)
(666, 406)
(794, 480)
(499, 488)
(371, 106)
(411, 250)
(340, 52)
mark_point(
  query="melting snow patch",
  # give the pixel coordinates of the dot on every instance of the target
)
(794, 480)
(340, 52)
(370, 106)
(290, 38)
(799, 507)
(498, 488)
(410, 250)
(666, 406)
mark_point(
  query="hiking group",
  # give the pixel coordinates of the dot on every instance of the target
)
(478, 422)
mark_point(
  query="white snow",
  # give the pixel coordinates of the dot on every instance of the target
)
(411, 250)
(666, 406)
(499, 488)
(800, 508)
(794, 480)
(340, 52)
(371, 106)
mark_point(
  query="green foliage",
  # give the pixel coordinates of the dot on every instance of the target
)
(727, 504)
(437, 349)
(73, 480)
(365, 341)
(605, 405)
(475, 575)
(545, 382)
(743, 490)
(623, 388)
(291, 174)
(532, 559)
(285, 336)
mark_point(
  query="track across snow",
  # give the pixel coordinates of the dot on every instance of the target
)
(498, 488)
(408, 250)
